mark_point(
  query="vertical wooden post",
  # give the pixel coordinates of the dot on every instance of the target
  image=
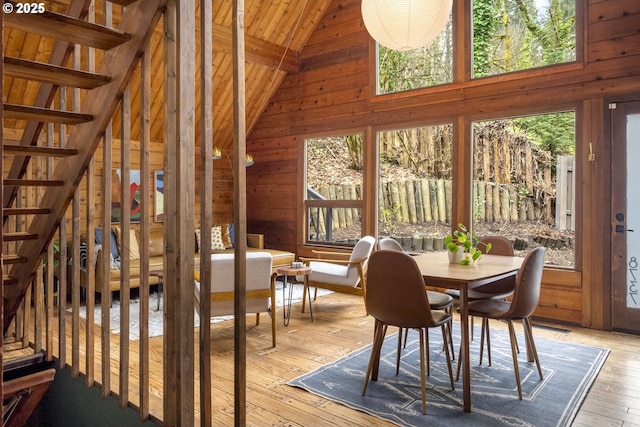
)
(179, 40)
(125, 242)
(206, 209)
(370, 182)
(1, 196)
(90, 285)
(105, 292)
(239, 215)
(145, 174)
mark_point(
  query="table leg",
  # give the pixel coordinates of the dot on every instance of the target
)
(306, 278)
(286, 305)
(159, 294)
(464, 342)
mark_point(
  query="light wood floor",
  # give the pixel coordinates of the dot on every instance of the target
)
(340, 326)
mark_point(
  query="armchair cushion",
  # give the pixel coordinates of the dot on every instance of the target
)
(332, 273)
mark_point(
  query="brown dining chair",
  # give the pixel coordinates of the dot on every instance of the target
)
(524, 302)
(500, 289)
(437, 301)
(395, 297)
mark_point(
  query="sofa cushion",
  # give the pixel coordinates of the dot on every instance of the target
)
(156, 243)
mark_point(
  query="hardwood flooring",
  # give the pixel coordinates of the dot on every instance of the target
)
(341, 326)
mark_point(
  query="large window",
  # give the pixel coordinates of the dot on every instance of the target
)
(334, 189)
(428, 66)
(514, 35)
(414, 197)
(524, 186)
(507, 36)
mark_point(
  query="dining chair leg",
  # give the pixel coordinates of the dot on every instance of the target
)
(529, 337)
(378, 339)
(423, 386)
(482, 335)
(447, 354)
(459, 360)
(514, 355)
(305, 291)
(450, 329)
(426, 335)
(488, 331)
(400, 331)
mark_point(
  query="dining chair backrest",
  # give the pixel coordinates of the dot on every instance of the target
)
(390, 244)
(527, 291)
(500, 245)
(395, 291)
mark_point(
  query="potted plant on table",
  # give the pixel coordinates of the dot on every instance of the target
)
(462, 246)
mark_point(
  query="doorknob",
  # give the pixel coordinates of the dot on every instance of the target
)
(621, 229)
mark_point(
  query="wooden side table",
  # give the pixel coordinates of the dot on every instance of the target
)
(288, 271)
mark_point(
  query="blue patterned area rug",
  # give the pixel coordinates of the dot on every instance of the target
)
(568, 370)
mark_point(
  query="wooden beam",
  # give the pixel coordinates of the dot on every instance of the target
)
(239, 216)
(179, 42)
(257, 50)
(206, 208)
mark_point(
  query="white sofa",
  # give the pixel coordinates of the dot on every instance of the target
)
(260, 286)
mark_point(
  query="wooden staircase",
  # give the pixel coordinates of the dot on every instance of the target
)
(104, 88)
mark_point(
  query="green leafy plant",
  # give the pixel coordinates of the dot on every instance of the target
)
(462, 239)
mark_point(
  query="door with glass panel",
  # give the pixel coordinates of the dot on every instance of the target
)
(625, 222)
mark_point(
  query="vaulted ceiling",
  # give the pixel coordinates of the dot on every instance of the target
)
(275, 32)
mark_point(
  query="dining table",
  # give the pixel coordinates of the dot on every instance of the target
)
(438, 272)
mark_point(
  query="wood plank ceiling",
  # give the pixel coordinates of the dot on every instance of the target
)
(275, 32)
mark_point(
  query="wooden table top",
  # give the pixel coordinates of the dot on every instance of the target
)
(435, 265)
(291, 271)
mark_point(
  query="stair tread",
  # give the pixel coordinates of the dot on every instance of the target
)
(7, 280)
(45, 115)
(62, 27)
(19, 235)
(39, 71)
(123, 2)
(34, 182)
(13, 258)
(34, 150)
(26, 211)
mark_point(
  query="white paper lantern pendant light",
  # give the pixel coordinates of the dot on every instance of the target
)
(405, 24)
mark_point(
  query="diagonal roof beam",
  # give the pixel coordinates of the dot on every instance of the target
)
(257, 50)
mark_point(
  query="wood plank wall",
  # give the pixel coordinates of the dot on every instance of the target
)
(332, 94)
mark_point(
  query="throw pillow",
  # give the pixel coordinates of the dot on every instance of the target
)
(114, 245)
(98, 236)
(231, 235)
(134, 248)
(198, 246)
(226, 237)
(216, 239)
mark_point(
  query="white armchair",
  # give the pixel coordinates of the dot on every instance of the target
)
(261, 294)
(340, 275)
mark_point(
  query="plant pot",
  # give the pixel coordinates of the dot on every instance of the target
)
(455, 257)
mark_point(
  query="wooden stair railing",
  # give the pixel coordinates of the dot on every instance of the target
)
(122, 48)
